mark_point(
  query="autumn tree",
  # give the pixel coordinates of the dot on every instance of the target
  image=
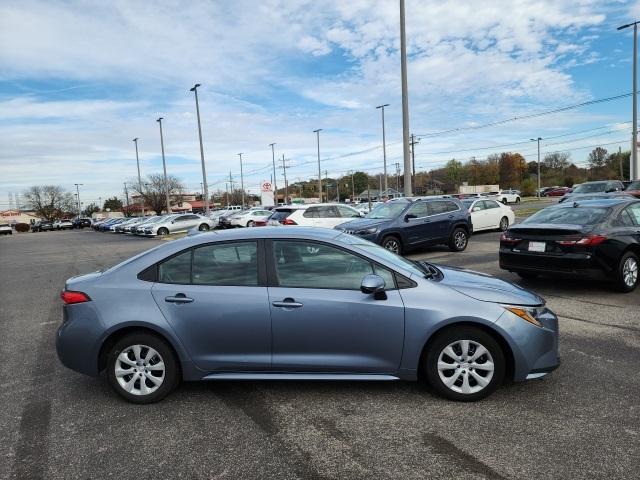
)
(558, 161)
(50, 201)
(597, 158)
(154, 191)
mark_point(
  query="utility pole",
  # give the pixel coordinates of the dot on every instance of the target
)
(241, 180)
(634, 170)
(380, 187)
(204, 172)
(78, 197)
(326, 181)
(317, 132)
(135, 140)
(275, 187)
(620, 162)
(384, 147)
(286, 185)
(164, 167)
(413, 160)
(397, 176)
(405, 104)
(538, 140)
(353, 188)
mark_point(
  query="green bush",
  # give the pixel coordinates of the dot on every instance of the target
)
(22, 227)
(528, 187)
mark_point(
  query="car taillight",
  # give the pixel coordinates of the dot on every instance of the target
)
(288, 221)
(510, 240)
(70, 297)
(588, 241)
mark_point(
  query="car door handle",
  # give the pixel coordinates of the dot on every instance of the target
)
(287, 303)
(178, 298)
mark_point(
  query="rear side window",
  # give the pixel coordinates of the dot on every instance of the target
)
(176, 270)
(226, 264)
(347, 212)
(281, 214)
(634, 211)
(436, 208)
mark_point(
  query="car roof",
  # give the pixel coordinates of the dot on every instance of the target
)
(301, 232)
(597, 202)
(307, 205)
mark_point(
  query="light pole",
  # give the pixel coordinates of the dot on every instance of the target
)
(194, 89)
(634, 172)
(241, 179)
(78, 195)
(135, 140)
(317, 132)
(384, 147)
(164, 167)
(538, 140)
(275, 187)
(405, 105)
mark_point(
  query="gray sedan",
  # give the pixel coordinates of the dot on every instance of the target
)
(300, 304)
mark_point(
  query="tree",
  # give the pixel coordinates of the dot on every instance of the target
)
(113, 204)
(50, 201)
(91, 208)
(453, 171)
(154, 193)
(597, 158)
(512, 167)
(557, 161)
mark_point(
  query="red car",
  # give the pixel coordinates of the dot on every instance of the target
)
(633, 189)
(558, 192)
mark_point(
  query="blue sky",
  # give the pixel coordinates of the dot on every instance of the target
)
(79, 80)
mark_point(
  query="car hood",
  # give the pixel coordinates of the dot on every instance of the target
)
(362, 223)
(486, 288)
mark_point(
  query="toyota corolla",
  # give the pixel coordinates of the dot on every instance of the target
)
(300, 304)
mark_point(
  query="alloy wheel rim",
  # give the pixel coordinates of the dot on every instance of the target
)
(392, 245)
(504, 223)
(460, 239)
(465, 366)
(139, 370)
(630, 272)
(203, 227)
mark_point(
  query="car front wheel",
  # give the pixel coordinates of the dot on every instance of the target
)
(250, 224)
(627, 273)
(141, 368)
(203, 227)
(459, 240)
(163, 231)
(464, 364)
(392, 244)
(504, 224)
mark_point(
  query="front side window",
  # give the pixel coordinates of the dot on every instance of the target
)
(314, 265)
(311, 212)
(419, 209)
(226, 264)
(176, 269)
(488, 204)
(634, 211)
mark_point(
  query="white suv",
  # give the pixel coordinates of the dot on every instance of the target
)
(326, 215)
(505, 196)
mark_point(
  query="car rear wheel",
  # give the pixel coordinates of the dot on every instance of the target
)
(163, 231)
(517, 199)
(250, 224)
(504, 201)
(459, 240)
(142, 368)
(628, 272)
(527, 275)
(464, 364)
(393, 244)
(203, 227)
(504, 224)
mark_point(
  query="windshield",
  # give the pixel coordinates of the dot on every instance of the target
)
(570, 215)
(387, 210)
(591, 187)
(468, 203)
(381, 252)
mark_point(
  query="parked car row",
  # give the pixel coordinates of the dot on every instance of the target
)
(155, 225)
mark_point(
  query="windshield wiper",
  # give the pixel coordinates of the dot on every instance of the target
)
(424, 267)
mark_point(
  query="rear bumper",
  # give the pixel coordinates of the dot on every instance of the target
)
(78, 339)
(578, 264)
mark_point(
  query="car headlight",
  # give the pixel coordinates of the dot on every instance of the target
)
(369, 231)
(528, 314)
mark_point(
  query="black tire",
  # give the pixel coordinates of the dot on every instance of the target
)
(527, 275)
(627, 274)
(504, 201)
(504, 224)
(517, 199)
(203, 227)
(464, 368)
(163, 231)
(171, 374)
(393, 244)
(458, 240)
(250, 223)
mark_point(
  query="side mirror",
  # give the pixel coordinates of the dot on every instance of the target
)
(409, 216)
(475, 209)
(373, 284)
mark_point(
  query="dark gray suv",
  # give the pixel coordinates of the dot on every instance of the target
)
(404, 223)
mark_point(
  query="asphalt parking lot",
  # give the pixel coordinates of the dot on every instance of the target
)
(582, 421)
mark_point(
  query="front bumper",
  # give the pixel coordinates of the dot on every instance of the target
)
(534, 349)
